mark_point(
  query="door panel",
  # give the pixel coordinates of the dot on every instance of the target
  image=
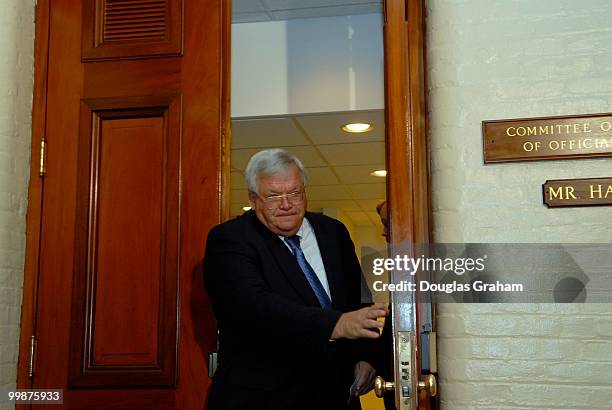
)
(136, 108)
(126, 266)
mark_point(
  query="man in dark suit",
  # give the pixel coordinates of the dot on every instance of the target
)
(285, 287)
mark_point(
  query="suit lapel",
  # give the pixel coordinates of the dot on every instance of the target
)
(331, 256)
(287, 264)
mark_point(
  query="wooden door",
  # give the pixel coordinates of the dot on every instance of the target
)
(408, 195)
(131, 98)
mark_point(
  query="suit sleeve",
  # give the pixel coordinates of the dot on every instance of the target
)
(240, 296)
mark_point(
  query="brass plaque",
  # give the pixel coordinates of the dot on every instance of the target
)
(547, 138)
(577, 192)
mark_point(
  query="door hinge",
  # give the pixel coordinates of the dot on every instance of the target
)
(32, 356)
(43, 144)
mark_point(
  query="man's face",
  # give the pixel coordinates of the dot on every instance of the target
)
(283, 216)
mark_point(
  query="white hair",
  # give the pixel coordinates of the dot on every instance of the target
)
(270, 162)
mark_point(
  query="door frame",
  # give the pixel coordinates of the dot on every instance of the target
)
(407, 151)
(35, 195)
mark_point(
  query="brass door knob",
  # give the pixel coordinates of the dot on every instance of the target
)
(381, 386)
(429, 384)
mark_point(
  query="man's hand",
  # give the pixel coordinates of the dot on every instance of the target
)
(364, 378)
(360, 323)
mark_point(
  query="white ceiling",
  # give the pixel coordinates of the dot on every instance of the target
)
(249, 11)
(338, 164)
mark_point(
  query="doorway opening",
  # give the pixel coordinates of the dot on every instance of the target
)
(301, 72)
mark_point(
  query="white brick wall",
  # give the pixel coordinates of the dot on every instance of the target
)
(493, 59)
(16, 81)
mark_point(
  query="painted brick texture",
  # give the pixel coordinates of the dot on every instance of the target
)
(16, 82)
(493, 59)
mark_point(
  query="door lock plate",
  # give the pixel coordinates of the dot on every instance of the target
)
(404, 361)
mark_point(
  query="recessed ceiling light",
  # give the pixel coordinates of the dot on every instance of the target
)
(246, 208)
(358, 127)
(379, 173)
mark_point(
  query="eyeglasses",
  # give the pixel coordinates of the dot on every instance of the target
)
(274, 201)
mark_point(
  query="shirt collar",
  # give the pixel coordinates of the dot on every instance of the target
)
(305, 229)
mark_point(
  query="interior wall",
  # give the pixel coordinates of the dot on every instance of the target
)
(496, 59)
(16, 84)
(369, 235)
(307, 65)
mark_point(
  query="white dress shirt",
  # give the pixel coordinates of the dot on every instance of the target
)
(310, 247)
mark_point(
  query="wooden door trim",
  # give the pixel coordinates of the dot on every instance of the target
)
(407, 151)
(419, 155)
(225, 146)
(35, 194)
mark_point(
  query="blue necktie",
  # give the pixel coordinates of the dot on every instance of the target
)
(311, 276)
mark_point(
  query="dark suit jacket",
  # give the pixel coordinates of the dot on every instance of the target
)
(274, 348)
